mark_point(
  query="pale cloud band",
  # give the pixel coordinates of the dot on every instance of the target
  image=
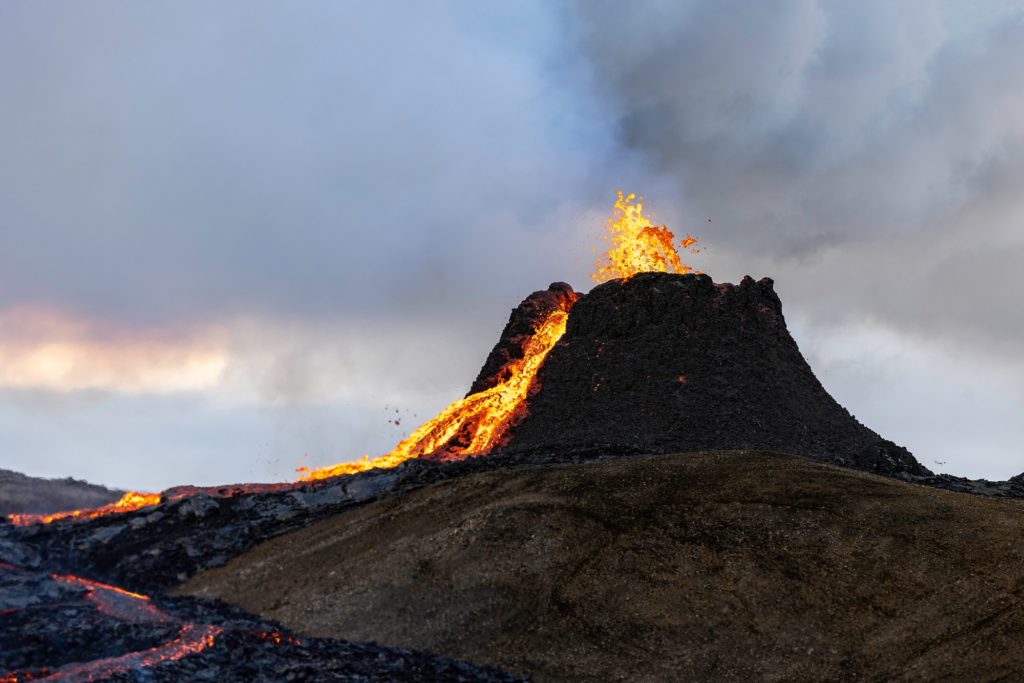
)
(45, 350)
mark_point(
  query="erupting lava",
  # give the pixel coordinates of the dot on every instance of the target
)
(477, 424)
(638, 246)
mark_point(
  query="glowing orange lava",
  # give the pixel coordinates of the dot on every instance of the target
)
(192, 639)
(635, 245)
(477, 424)
(133, 500)
(116, 602)
(126, 607)
(472, 425)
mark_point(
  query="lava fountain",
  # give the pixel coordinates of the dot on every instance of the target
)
(636, 245)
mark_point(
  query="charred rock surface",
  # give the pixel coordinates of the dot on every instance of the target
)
(159, 547)
(1013, 488)
(674, 363)
(74, 630)
(524, 321)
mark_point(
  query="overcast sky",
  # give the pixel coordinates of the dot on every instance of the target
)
(237, 237)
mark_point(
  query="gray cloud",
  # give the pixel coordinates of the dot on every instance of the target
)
(181, 161)
(879, 142)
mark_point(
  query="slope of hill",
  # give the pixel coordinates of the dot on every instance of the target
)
(728, 565)
(22, 493)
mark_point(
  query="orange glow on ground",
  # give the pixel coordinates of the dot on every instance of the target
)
(133, 500)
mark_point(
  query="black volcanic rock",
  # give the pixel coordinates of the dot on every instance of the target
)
(524, 321)
(663, 363)
(656, 363)
(885, 457)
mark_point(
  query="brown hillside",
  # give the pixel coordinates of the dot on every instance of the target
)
(22, 493)
(733, 565)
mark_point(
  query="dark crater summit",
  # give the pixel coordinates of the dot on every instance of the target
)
(662, 363)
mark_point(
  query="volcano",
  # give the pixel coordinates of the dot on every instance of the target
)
(661, 362)
(701, 379)
(655, 359)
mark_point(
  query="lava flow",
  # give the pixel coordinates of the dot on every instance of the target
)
(471, 425)
(133, 500)
(476, 424)
(192, 638)
(125, 607)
